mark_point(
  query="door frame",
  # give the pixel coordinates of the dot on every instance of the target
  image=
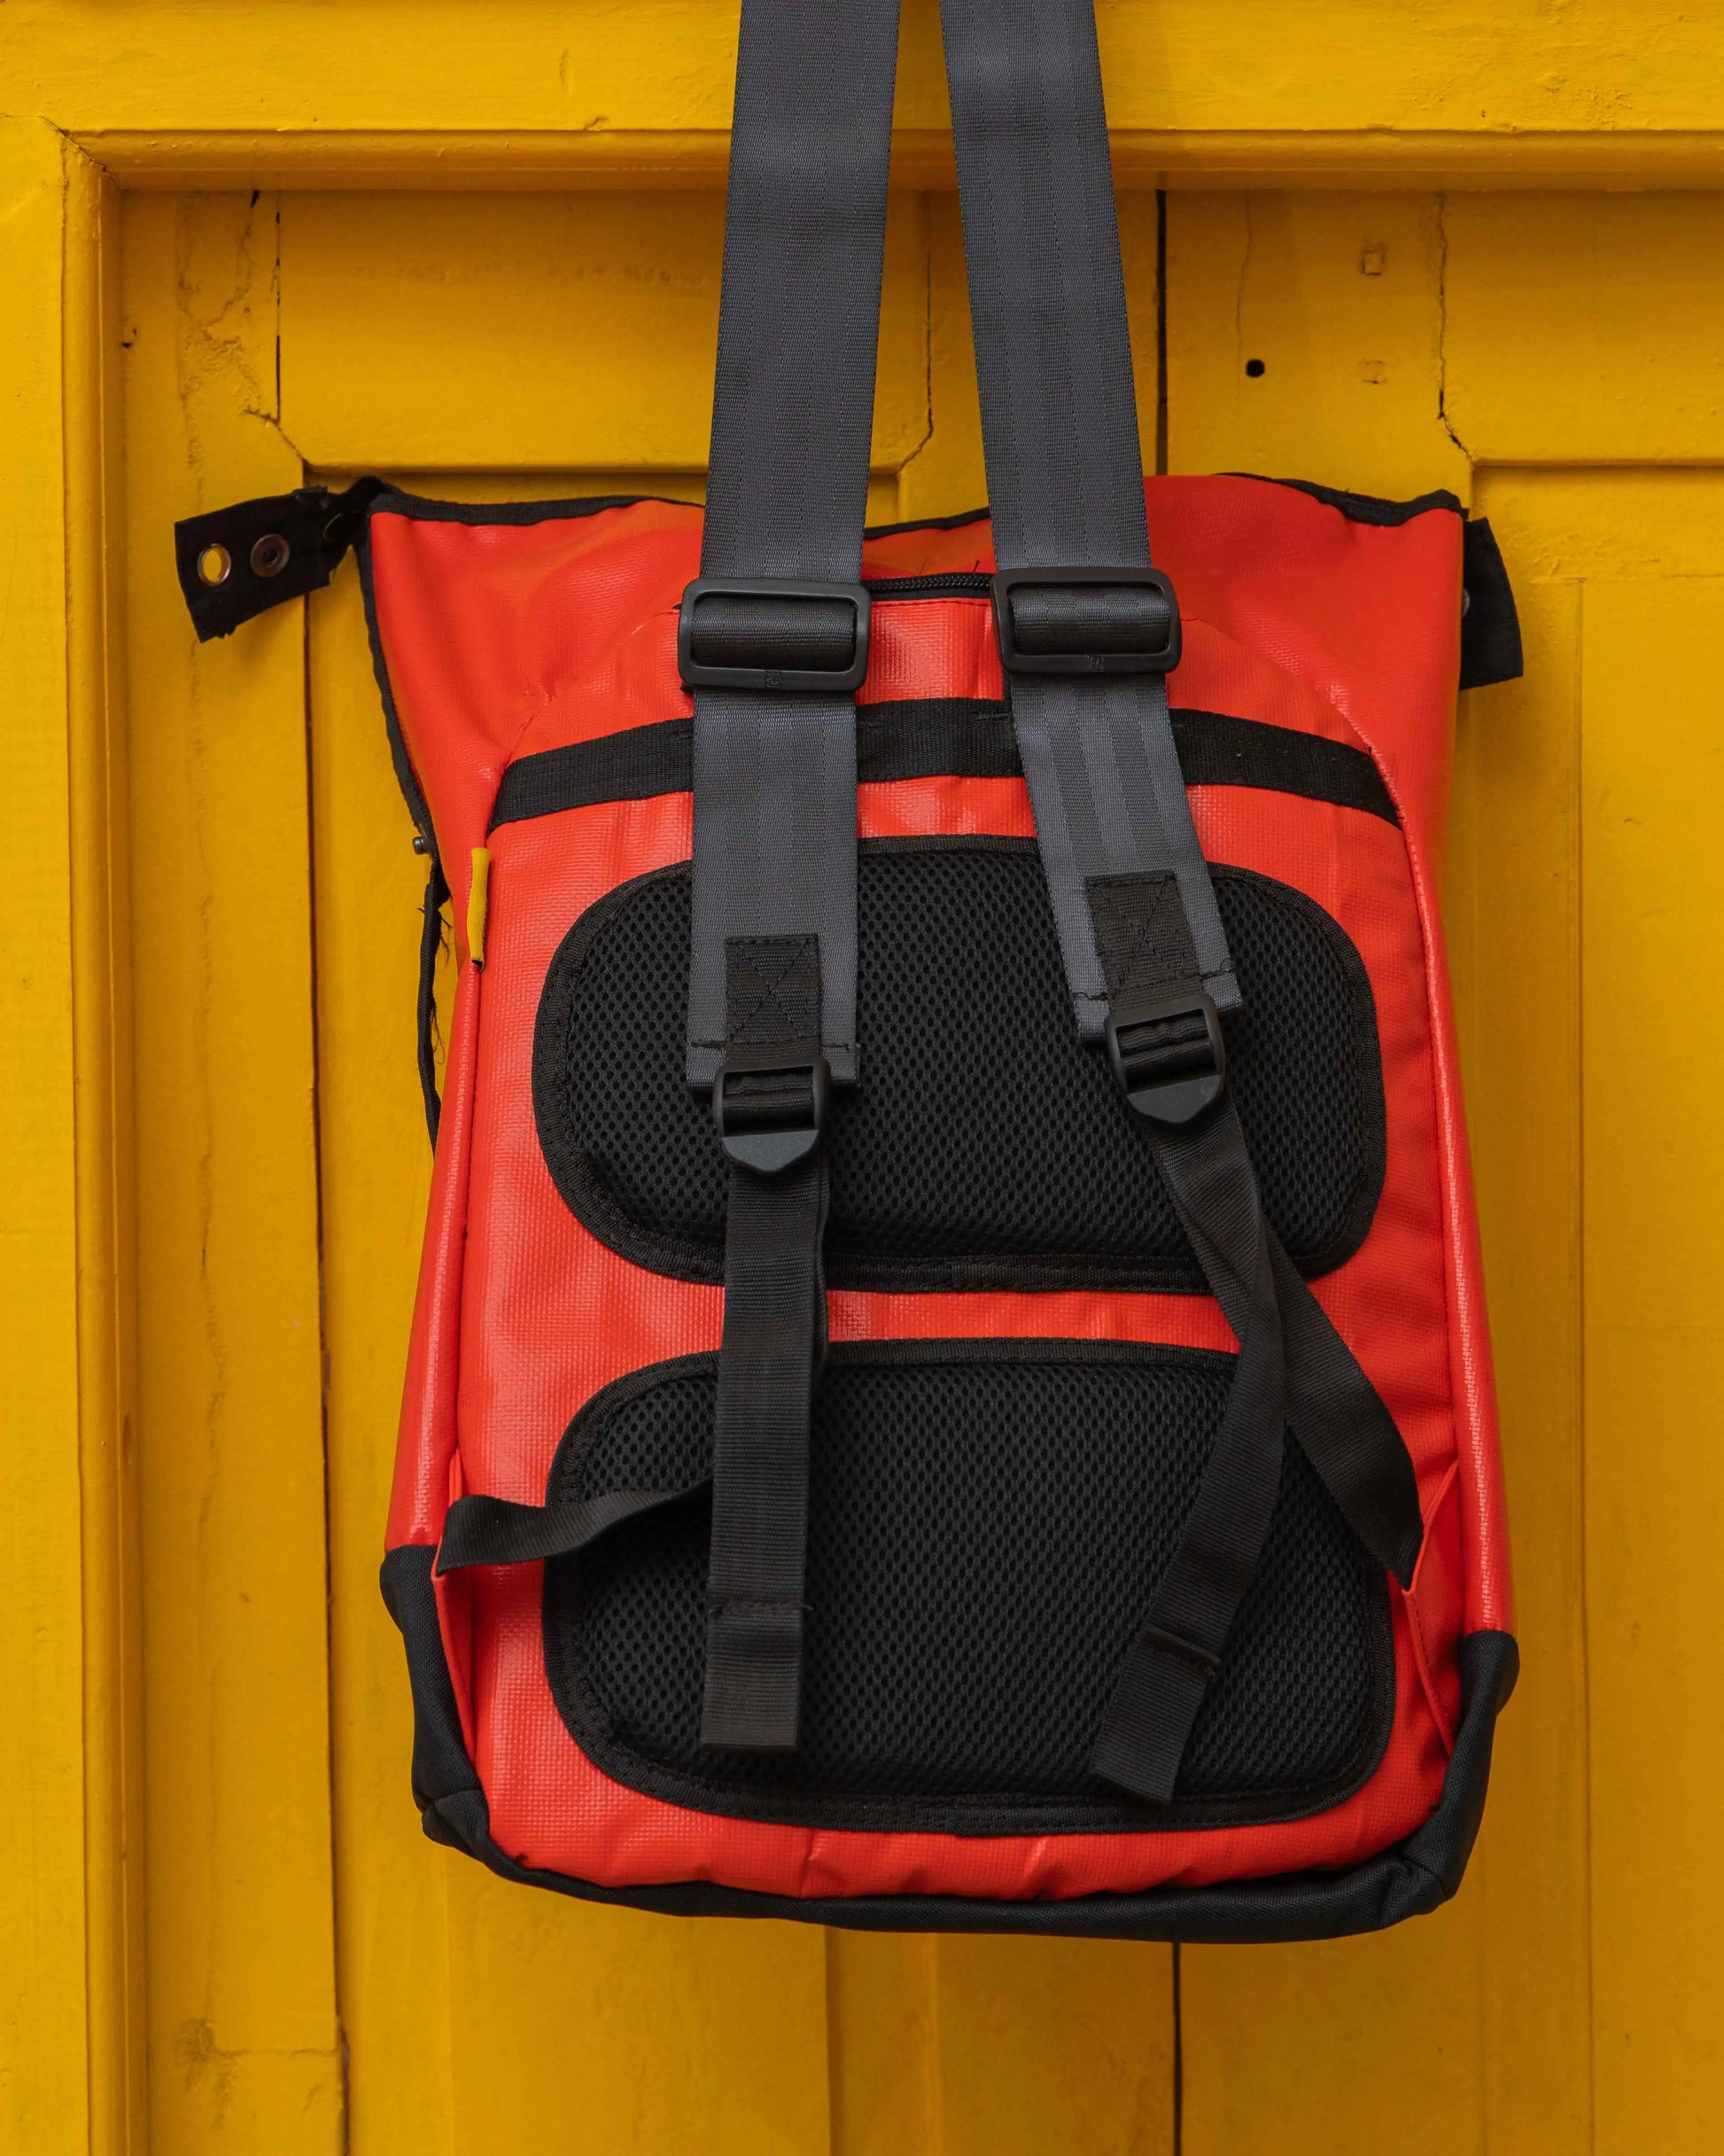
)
(265, 107)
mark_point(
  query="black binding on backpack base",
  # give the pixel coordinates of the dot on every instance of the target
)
(1412, 1879)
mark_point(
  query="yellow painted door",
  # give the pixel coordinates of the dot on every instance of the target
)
(316, 1977)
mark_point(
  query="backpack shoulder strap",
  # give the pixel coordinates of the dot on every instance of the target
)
(773, 642)
(1088, 632)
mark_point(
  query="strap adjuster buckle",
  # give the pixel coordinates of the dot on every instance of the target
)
(1168, 1053)
(1071, 637)
(770, 1109)
(756, 643)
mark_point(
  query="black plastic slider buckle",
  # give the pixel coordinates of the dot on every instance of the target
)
(770, 1113)
(757, 641)
(1059, 621)
(1167, 1053)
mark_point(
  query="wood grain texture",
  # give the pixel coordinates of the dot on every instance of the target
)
(244, 2046)
(44, 2035)
(205, 93)
(1471, 2029)
(207, 1107)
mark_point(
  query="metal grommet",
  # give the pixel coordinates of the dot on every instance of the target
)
(269, 556)
(215, 565)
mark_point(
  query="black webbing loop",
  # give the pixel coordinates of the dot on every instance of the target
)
(769, 1105)
(772, 642)
(486, 1531)
(1293, 1366)
(1168, 1671)
(768, 1362)
(1064, 475)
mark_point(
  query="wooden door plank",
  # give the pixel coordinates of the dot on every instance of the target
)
(392, 1886)
(478, 2014)
(1653, 791)
(1513, 916)
(243, 2043)
(1470, 2027)
(226, 94)
(1338, 300)
(1053, 2047)
(1581, 329)
(44, 2034)
(535, 332)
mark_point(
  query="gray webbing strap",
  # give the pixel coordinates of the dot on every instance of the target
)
(1064, 472)
(1087, 633)
(787, 496)
(772, 639)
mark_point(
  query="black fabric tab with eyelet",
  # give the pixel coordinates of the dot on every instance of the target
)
(237, 563)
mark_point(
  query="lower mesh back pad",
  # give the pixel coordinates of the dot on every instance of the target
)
(985, 1146)
(987, 1524)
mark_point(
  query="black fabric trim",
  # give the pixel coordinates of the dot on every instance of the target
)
(437, 886)
(1490, 626)
(440, 1765)
(929, 524)
(424, 508)
(974, 1816)
(590, 1200)
(944, 584)
(1411, 1878)
(940, 737)
(1361, 508)
(405, 777)
(431, 943)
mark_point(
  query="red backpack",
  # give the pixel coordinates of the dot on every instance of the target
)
(949, 1388)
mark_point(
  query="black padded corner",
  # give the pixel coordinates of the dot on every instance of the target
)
(440, 1765)
(1490, 626)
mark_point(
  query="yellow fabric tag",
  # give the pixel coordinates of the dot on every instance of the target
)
(478, 899)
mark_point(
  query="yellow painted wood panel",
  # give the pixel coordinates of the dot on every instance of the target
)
(1584, 328)
(43, 2037)
(199, 91)
(1473, 2025)
(313, 1975)
(243, 2039)
(452, 2000)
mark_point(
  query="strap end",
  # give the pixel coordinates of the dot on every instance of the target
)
(753, 1677)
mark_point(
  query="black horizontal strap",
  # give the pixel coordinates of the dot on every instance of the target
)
(945, 737)
(487, 1531)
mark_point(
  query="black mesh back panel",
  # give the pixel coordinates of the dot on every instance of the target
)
(985, 1146)
(987, 1523)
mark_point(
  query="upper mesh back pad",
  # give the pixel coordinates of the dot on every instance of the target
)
(987, 1522)
(985, 1146)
